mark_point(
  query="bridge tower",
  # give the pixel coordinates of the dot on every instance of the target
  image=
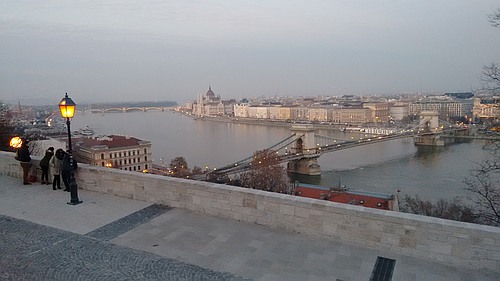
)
(429, 120)
(305, 145)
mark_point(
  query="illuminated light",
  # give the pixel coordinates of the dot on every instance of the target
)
(16, 142)
(109, 165)
(67, 107)
(215, 169)
(145, 171)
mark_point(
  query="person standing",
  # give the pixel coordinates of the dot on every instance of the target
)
(23, 155)
(66, 170)
(55, 168)
(44, 164)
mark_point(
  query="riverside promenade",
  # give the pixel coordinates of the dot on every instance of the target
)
(113, 238)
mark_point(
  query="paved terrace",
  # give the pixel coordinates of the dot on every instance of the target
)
(113, 238)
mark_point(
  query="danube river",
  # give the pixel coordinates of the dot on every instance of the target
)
(383, 167)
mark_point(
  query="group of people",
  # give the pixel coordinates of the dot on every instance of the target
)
(58, 163)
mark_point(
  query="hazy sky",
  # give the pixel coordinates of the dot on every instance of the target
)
(125, 50)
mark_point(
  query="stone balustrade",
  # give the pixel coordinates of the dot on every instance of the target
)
(449, 242)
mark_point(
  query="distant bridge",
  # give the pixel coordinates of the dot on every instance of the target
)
(125, 109)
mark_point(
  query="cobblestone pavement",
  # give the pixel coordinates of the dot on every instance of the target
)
(35, 252)
(129, 222)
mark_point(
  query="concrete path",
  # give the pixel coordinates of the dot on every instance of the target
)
(111, 238)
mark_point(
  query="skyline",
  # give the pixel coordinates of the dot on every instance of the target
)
(165, 50)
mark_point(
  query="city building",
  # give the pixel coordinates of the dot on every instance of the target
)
(119, 152)
(486, 108)
(351, 115)
(209, 104)
(447, 107)
(380, 111)
(318, 114)
(258, 112)
(398, 112)
(241, 110)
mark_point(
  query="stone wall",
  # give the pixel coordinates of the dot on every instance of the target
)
(449, 242)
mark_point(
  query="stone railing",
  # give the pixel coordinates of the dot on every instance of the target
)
(454, 243)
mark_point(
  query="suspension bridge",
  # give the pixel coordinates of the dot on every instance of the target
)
(304, 146)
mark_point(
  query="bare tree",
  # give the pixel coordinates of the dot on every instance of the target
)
(484, 185)
(491, 72)
(491, 75)
(484, 182)
(197, 170)
(451, 210)
(495, 18)
(179, 167)
(266, 173)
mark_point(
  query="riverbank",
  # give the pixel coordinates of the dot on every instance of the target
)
(268, 122)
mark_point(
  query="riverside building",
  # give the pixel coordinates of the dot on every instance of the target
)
(119, 152)
(209, 104)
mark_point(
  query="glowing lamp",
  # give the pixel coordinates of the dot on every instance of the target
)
(16, 142)
(67, 107)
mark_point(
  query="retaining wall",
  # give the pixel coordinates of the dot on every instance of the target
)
(449, 242)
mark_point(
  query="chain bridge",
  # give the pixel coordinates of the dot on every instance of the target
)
(304, 146)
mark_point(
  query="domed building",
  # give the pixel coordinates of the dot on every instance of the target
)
(209, 104)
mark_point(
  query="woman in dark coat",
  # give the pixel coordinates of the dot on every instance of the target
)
(44, 164)
(23, 155)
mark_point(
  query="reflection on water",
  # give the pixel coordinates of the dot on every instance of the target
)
(431, 172)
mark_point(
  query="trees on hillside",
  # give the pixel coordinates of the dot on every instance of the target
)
(266, 173)
(6, 130)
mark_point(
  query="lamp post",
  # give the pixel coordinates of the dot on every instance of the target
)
(67, 107)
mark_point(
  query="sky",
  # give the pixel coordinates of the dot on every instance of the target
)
(157, 50)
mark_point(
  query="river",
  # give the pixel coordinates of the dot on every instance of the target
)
(431, 173)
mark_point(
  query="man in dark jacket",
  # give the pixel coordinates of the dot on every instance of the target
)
(44, 164)
(23, 155)
(66, 170)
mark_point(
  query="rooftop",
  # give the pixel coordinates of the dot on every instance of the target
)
(112, 141)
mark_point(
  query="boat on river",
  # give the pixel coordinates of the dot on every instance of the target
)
(86, 131)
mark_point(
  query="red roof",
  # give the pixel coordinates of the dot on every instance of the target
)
(366, 199)
(113, 141)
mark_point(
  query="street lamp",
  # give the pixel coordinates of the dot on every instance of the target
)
(67, 107)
